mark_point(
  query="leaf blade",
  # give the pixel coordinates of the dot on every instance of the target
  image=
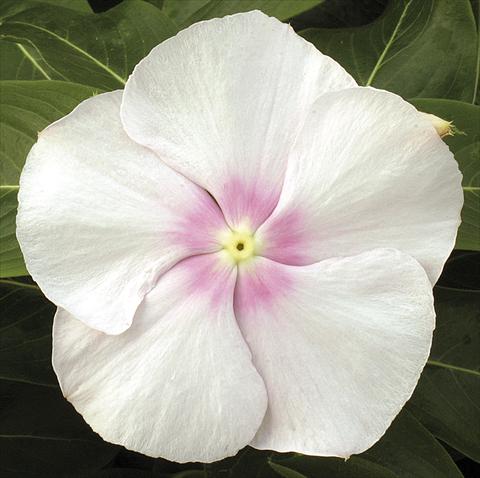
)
(466, 148)
(406, 449)
(27, 108)
(417, 48)
(38, 427)
(444, 400)
(185, 13)
(98, 50)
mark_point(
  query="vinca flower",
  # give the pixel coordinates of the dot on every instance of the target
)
(242, 246)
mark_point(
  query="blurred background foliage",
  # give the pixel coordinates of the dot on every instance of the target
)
(55, 53)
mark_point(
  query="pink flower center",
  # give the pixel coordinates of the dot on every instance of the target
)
(247, 234)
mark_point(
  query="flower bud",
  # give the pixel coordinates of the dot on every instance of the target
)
(443, 127)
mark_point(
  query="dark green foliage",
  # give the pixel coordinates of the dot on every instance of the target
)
(55, 53)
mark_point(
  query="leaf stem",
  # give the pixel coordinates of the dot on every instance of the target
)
(434, 363)
(33, 61)
(477, 72)
(379, 62)
(20, 380)
(78, 49)
(20, 284)
(9, 186)
(211, 470)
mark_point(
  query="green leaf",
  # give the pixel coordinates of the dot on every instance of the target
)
(417, 48)
(39, 429)
(9, 8)
(125, 473)
(476, 9)
(186, 12)
(11, 259)
(25, 334)
(466, 147)
(78, 5)
(99, 50)
(160, 3)
(407, 449)
(447, 397)
(27, 107)
(252, 463)
(189, 474)
(476, 14)
(21, 62)
(180, 11)
(461, 271)
(313, 467)
(340, 14)
(285, 472)
(18, 62)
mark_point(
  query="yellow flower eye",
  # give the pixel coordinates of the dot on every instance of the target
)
(239, 245)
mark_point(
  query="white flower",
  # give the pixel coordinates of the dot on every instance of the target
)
(242, 246)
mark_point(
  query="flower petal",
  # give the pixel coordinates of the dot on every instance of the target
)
(340, 345)
(100, 217)
(223, 101)
(179, 383)
(367, 171)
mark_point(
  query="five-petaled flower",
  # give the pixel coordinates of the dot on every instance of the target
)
(242, 246)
